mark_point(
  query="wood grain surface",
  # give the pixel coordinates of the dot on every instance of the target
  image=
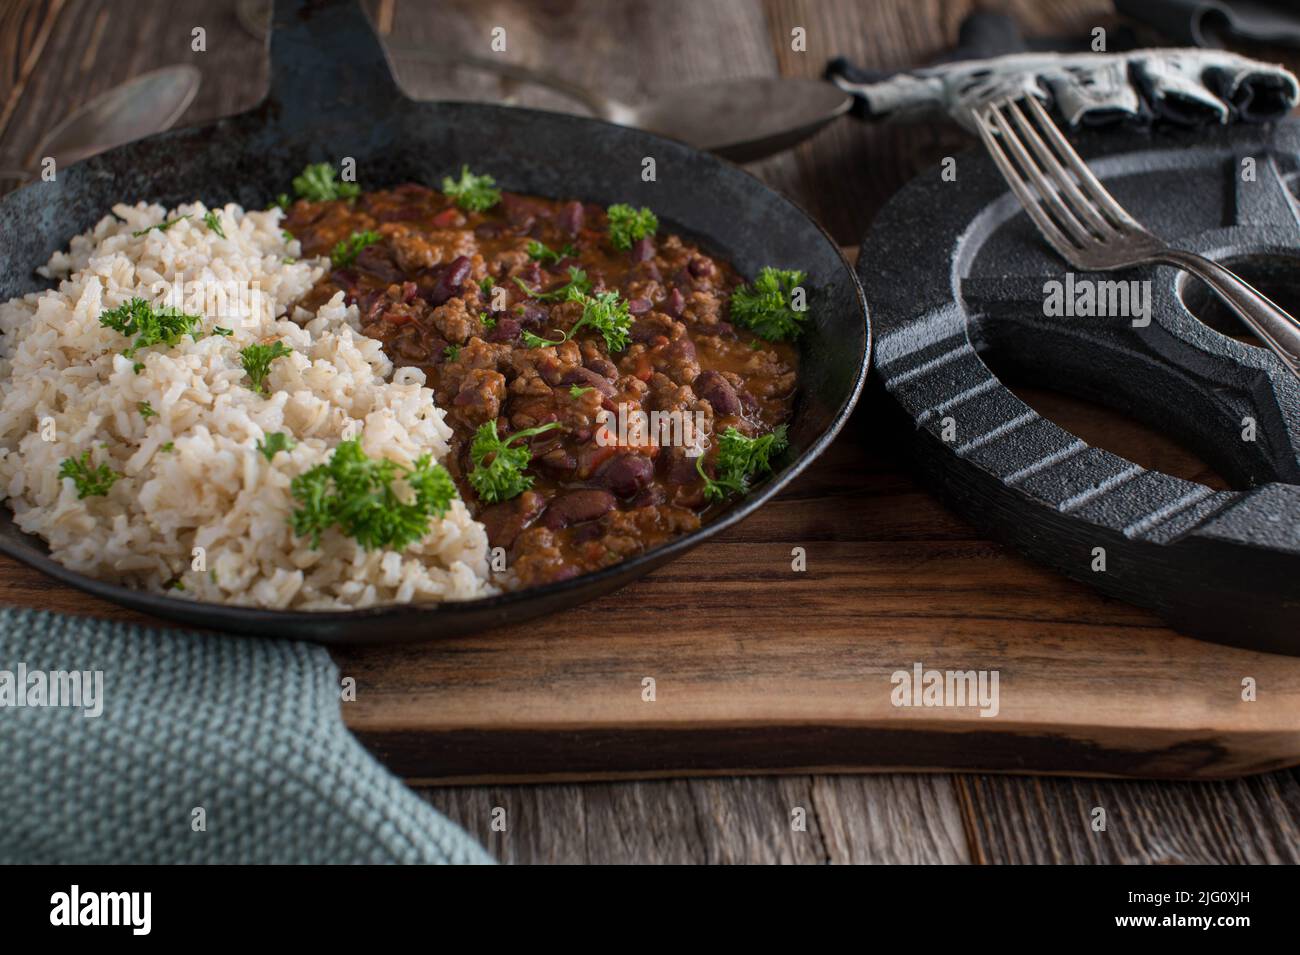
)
(892, 575)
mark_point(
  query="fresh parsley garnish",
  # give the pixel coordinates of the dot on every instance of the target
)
(489, 321)
(577, 392)
(764, 306)
(538, 252)
(605, 313)
(150, 326)
(213, 222)
(627, 225)
(503, 477)
(222, 332)
(740, 459)
(345, 252)
(89, 481)
(169, 446)
(146, 410)
(318, 184)
(471, 192)
(451, 353)
(485, 286)
(274, 444)
(161, 226)
(358, 495)
(282, 200)
(257, 359)
(577, 282)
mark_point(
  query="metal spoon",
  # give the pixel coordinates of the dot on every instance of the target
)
(142, 106)
(742, 120)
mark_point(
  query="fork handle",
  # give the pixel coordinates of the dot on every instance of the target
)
(1274, 326)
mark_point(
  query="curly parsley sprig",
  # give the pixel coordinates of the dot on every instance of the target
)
(346, 250)
(765, 306)
(740, 460)
(150, 326)
(361, 497)
(318, 183)
(472, 193)
(540, 252)
(256, 360)
(605, 313)
(212, 219)
(503, 476)
(628, 225)
(89, 481)
(161, 226)
(578, 283)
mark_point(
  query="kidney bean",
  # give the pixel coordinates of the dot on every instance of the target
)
(700, 267)
(681, 349)
(533, 315)
(521, 213)
(586, 378)
(680, 469)
(675, 303)
(625, 474)
(650, 497)
(450, 281)
(717, 391)
(487, 230)
(571, 218)
(603, 367)
(643, 250)
(578, 507)
(507, 520)
(639, 306)
(558, 460)
(506, 330)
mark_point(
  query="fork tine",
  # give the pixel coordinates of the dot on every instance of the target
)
(1056, 206)
(1079, 204)
(1026, 195)
(1091, 183)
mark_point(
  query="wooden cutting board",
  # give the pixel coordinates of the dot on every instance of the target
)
(758, 668)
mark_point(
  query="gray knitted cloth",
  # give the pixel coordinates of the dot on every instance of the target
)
(208, 749)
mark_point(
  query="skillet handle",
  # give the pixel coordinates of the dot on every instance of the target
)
(326, 59)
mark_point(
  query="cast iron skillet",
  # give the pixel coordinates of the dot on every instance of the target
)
(332, 96)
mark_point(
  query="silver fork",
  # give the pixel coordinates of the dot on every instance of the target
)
(1092, 231)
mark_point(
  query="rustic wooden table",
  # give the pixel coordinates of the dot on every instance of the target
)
(55, 54)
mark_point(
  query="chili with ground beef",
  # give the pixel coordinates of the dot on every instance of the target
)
(429, 288)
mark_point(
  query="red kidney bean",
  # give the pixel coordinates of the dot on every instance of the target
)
(507, 520)
(578, 507)
(585, 378)
(680, 469)
(625, 474)
(681, 349)
(534, 315)
(488, 230)
(450, 281)
(675, 303)
(506, 330)
(639, 306)
(700, 267)
(643, 250)
(571, 218)
(650, 497)
(558, 460)
(717, 391)
(603, 367)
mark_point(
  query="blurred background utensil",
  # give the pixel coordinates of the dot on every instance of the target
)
(142, 106)
(740, 119)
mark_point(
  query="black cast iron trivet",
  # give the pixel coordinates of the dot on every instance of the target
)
(955, 273)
